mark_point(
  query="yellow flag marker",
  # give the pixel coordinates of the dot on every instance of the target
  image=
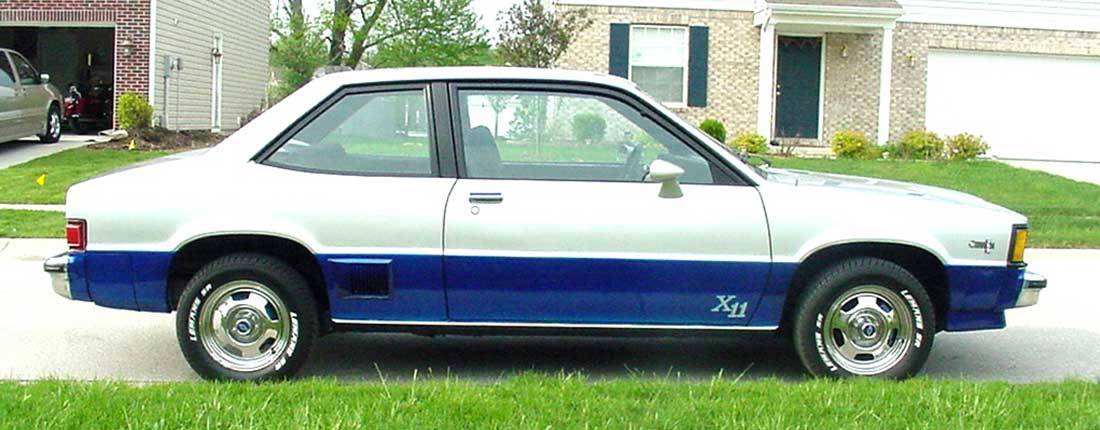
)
(41, 181)
(133, 145)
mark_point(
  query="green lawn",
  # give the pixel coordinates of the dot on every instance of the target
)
(1063, 213)
(24, 224)
(18, 183)
(541, 402)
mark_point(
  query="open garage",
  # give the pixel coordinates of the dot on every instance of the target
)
(80, 62)
(1029, 107)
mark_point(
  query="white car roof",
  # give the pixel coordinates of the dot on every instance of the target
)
(252, 138)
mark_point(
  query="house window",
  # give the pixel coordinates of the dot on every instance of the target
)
(659, 62)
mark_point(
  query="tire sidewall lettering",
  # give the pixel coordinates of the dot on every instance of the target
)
(819, 344)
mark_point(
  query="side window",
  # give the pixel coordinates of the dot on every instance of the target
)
(565, 136)
(373, 134)
(27, 74)
(7, 78)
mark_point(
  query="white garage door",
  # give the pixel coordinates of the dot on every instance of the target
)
(1026, 106)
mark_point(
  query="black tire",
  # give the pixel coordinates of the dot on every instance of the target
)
(53, 126)
(873, 285)
(246, 270)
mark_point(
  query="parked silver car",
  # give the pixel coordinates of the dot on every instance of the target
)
(29, 105)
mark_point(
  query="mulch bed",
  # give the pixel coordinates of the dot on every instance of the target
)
(162, 139)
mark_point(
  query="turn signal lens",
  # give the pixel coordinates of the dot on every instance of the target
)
(76, 233)
(1019, 244)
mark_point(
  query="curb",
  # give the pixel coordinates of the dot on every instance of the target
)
(36, 208)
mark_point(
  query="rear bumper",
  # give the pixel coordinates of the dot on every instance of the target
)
(58, 268)
(1034, 284)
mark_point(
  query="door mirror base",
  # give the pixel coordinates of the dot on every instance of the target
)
(45, 78)
(668, 175)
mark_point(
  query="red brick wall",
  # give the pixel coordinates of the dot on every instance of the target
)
(130, 18)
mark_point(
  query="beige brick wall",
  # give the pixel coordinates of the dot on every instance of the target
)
(852, 83)
(734, 61)
(912, 41)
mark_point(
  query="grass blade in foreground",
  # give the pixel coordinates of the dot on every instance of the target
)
(538, 402)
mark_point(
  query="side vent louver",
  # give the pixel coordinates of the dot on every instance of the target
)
(362, 278)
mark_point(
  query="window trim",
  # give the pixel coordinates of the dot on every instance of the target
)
(724, 174)
(683, 103)
(36, 77)
(437, 169)
(6, 62)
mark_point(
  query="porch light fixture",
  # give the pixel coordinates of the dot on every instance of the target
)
(844, 51)
(127, 46)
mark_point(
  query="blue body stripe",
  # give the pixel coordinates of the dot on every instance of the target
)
(562, 290)
(603, 291)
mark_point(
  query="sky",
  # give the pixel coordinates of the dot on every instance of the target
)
(488, 10)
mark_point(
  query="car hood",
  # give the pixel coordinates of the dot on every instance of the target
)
(873, 186)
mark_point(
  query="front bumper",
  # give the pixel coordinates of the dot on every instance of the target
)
(1034, 283)
(58, 268)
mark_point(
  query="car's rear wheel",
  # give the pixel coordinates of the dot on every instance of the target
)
(52, 133)
(246, 317)
(865, 317)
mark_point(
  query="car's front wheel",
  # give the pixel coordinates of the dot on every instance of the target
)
(246, 317)
(864, 317)
(52, 134)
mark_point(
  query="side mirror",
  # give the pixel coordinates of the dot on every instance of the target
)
(45, 77)
(668, 175)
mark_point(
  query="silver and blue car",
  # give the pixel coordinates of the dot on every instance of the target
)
(516, 201)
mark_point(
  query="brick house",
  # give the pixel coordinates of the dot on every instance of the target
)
(1024, 74)
(202, 64)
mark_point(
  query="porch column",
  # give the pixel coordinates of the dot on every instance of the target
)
(885, 82)
(766, 96)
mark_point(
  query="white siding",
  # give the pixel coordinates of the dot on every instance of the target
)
(1080, 15)
(186, 29)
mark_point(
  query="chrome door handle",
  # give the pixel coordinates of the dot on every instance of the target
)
(486, 198)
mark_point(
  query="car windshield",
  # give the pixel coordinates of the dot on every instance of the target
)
(754, 164)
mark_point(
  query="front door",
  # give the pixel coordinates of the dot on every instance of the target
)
(552, 221)
(798, 87)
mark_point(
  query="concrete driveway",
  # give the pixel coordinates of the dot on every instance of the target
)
(44, 335)
(24, 150)
(1084, 172)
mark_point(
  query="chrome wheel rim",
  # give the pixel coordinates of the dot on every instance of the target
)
(245, 326)
(54, 124)
(868, 330)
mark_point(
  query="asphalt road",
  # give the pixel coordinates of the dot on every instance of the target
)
(45, 336)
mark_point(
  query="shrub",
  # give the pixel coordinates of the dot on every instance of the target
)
(921, 145)
(750, 142)
(589, 127)
(966, 146)
(134, 112)
(714, 128)
(853, 144)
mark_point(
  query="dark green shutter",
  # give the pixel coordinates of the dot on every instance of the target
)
(698, 56)
(619, 62)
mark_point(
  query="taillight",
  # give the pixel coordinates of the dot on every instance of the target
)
(76, 233)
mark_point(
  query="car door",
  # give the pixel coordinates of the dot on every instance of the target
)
(551, 221)
(31, 98)
(9, 110)
(360, 181)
